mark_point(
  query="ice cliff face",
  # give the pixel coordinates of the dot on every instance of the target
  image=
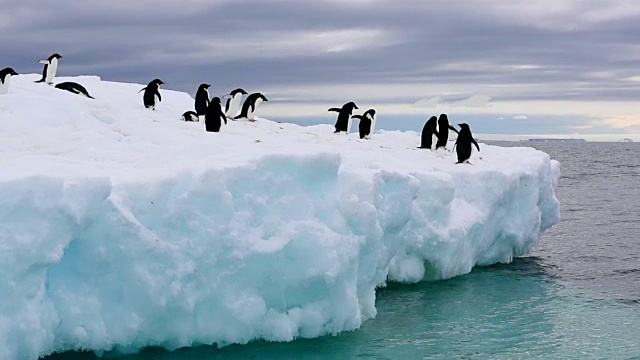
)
(122, 227)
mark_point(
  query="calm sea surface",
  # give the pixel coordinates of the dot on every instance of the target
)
(575, 297)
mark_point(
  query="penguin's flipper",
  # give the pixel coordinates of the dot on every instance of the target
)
(475, 143)
(89, 96)
(335, 109)
(159, 96)
(359, 117)
(141, 90)
(454, 129)
(43, 61)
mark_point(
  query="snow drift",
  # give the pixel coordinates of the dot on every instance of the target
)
(122, 227)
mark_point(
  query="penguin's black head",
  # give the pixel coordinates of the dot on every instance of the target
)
(371, 112)
(262, 97)
(8, 71)
(215, 100)
(350, 105)
(55, 56)
(464, 126)
(156, 82)
(238, 90)
(204, 86)
(443, 117)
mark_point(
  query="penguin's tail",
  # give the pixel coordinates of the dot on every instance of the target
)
(90, 97)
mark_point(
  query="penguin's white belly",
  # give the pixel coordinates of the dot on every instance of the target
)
(156, 100)
(4, 87)
(251, 112)
(222, 123)
(234, 106)
(373, 126)
(349, 125)
(51, 71)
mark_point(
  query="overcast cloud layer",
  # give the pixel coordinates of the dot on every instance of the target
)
(561, 66)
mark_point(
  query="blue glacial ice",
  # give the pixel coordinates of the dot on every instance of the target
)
(122, 228)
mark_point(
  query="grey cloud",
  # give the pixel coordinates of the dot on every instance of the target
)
(545, 49)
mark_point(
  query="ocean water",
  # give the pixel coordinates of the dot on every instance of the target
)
(577, 296)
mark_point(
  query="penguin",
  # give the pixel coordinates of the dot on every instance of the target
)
(74, 88)
(233, 103)
(202, 99)
(214, 119)
(151, 95)
(443, 131)
(5, 79)
(367, 123)
(50, 68)
(343, 123)
(428, 131)
(463, 143)
(190, 116)
(250, 105)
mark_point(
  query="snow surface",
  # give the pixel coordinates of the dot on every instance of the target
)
(122, 227)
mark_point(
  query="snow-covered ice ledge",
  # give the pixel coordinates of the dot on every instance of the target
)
(122, 228)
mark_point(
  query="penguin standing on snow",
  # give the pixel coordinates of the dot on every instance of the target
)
(5, 79)
(202, 99)
(50, 68)
(74, 88)
(463, 144)
(367, 123)
(151, 95)
(443, 131)
(428, 131)
(233, 102)
(250, 105)
(214, 119)
(343, 123)
(190, 116)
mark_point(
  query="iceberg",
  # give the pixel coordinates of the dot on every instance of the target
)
(122, 227)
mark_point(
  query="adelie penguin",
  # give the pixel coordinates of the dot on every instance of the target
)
(250, 105)
(443, 131)
(233, 102)
(5, 79)
(50, 68)
(190, 116)
(428, 131)
(343, 123)
(74, 88)
(367, 123)
(463, 143)
(214, 119)
(202, 99)
(151, 95)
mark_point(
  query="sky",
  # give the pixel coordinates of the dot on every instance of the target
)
(567, 68)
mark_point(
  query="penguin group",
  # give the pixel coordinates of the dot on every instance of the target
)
(439, 126)
(216, 117)
(48, 75)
